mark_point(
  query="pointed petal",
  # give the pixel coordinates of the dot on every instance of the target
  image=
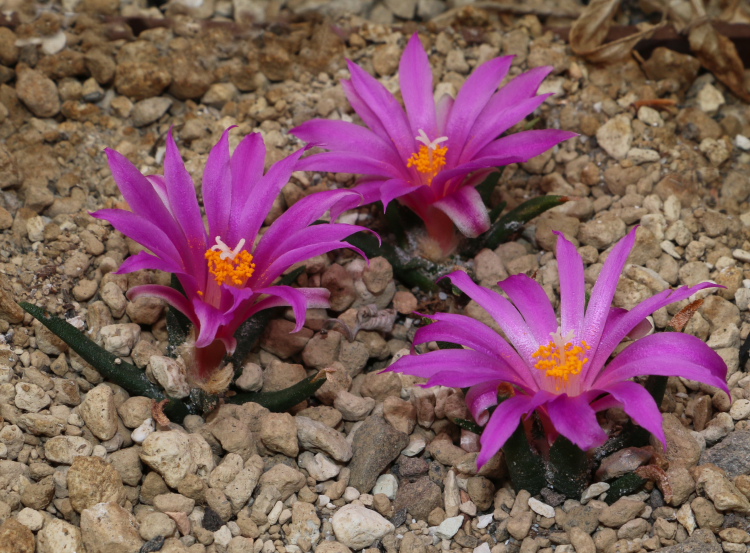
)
(210, 321)
(460, 329)
(638, 403)
(385, 107)
(247, 164)
(574, 418)
(456, 367)
(142, 198)
(255, 210)
(144, 260)
(295, 298)
(503, 312)
(217, 187)
(532, 302)
(623, 325)
(494, 121)
(415, 78)
(143, 231)
(525, 144)
(572, 287)
(352, 162)
(467, 211)
(170, 295)
(393, 189)
(504, 422)
(471, 100)
(666, 354)
(480, 398)
(184, 203)
(604, 290)
(342, 136)
(289, 258)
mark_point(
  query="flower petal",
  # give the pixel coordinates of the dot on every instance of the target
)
(415, 78)
(184, 205)
(495, 120)
(574, 418)
(385, 107)
(296, 298)
(638, 403)
(247, 164)
(342, 136)
(352, 162)
(604, 290)
(217, 187)
(456, 367)
(480, 398)
(143, 231)
(525, 144)
(170, 295)
(470, 101)
(532, 302)
(460, 329)
(503, 312)
(145, 260)
(572, 287)
(504, 422)
(467, 211)
(666, 354)
(617, 331)
(256, 208)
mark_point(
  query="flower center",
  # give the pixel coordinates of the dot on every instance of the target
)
(561, 358)
(235, 265)
(430, 158)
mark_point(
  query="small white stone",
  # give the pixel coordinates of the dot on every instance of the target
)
(742, 142)
(387, 485)
(415, 447)
(484, 547)
(650, 116)
(468, 508)
(350, 494)
(33, 520)
(323, 500)
(273, 516)
(540, 508)
(143, 431)
(449, 527)
(669, 248)
(483, 521)
(740, 409)
(358, 527)
(710, 99)
(223, 536)
(593, 491)
(685, 517)
(741, 255)
(642, 155)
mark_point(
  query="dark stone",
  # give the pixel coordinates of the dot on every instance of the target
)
(399, 518)
(656, 500)
(155, 544)
(412, 466)
(467, 541)
(702, 541)
(552, 498)
(732, 454)
(419, 497)
(212, 521)
(584, 517)
(376, 444)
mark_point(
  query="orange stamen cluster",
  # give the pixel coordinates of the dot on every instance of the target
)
(561, 360)
(428, 161)
(234, 265)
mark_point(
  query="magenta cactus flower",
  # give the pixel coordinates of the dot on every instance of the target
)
(227, 271)
(430, 157)
(562, 369)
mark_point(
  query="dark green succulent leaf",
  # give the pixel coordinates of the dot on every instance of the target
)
(487, 186)
(178, 324)
(525, 467)
(568, 468)
(111, 367)
(283, 400)
(625, 485)
(471, 426)
(449, 345)
(513, 221)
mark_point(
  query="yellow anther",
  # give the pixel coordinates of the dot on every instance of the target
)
(236, 265)
(430, 158)
(561, 359)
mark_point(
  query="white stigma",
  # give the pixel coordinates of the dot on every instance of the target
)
(431, 144)
(226, 251)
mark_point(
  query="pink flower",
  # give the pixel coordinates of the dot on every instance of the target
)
(561, 368)
(430, 157)
(228, 271)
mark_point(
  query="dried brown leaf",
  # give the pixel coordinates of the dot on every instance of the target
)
(590, 30)
(659, 477)
(719, 55)
(157, 412)
(682, 318)
(219, 380)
